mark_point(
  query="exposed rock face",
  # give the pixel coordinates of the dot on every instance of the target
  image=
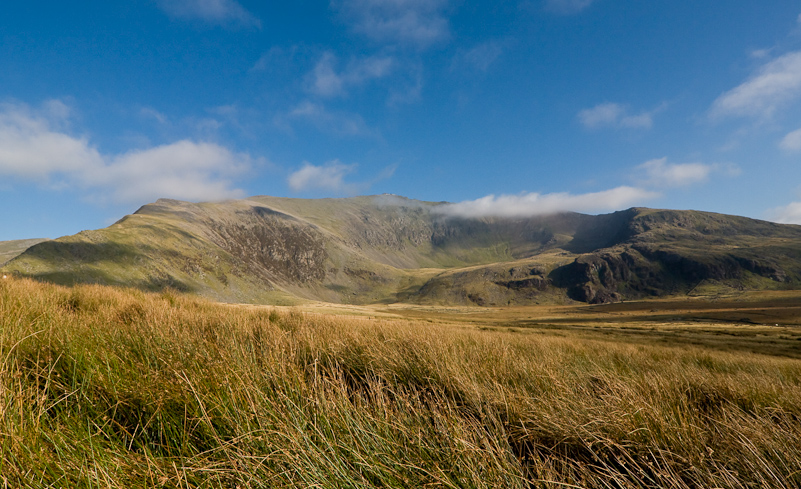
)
(272, 245)
(369, 249)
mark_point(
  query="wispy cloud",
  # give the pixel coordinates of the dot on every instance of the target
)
(567, 7)
(792, 141)
(33, 148)
(420, 23)
(775, 84)
(151, 113)
(221, 12)
(407, 88)
(659, 173)
(535, 204)
(615, 115)
(326, 81)
(278, 59)
(760, 53)
(480, 57)
(337, 123)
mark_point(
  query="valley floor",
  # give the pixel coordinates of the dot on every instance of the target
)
(765, 322)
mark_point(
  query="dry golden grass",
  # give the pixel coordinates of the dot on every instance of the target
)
(104, 387)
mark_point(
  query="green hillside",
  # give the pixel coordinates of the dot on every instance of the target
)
(387, 248)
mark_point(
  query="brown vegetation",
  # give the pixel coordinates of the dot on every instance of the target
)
(104, 387)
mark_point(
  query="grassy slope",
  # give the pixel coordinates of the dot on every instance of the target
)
(108, 388)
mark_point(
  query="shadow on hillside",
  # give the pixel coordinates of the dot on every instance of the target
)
(85, 265)
(601, 232)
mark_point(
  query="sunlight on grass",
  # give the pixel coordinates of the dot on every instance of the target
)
(102, 387)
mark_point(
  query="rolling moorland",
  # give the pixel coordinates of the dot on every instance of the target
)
(387, 249)
(118, 388)
(402, 348)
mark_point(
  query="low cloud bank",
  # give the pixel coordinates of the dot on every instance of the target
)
(535, 204)
(34, 146)
(788, 214)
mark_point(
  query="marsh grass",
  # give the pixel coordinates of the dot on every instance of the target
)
(102, 387)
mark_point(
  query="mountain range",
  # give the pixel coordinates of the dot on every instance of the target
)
(383, 249)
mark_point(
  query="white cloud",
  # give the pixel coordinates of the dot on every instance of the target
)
(567, 6)
(326, 82)
(417, 22)
(222, 12)
(788, 214)
(792, 141)
(32, 149)
(615, 115)
(183, 170)
(330, 176)
(775, 84)
(534, 204)
(660, 173)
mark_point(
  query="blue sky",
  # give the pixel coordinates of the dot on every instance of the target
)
(504, 108)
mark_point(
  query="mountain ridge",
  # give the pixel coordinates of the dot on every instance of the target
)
(374, 249)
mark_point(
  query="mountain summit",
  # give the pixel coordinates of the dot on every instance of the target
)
(393, 249)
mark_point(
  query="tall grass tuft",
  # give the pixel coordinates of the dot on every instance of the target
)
(103, 387)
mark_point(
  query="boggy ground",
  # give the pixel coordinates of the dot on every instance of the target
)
(103, 387)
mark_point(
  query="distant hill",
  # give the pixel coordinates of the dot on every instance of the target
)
(388, 249)
(11, 249)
